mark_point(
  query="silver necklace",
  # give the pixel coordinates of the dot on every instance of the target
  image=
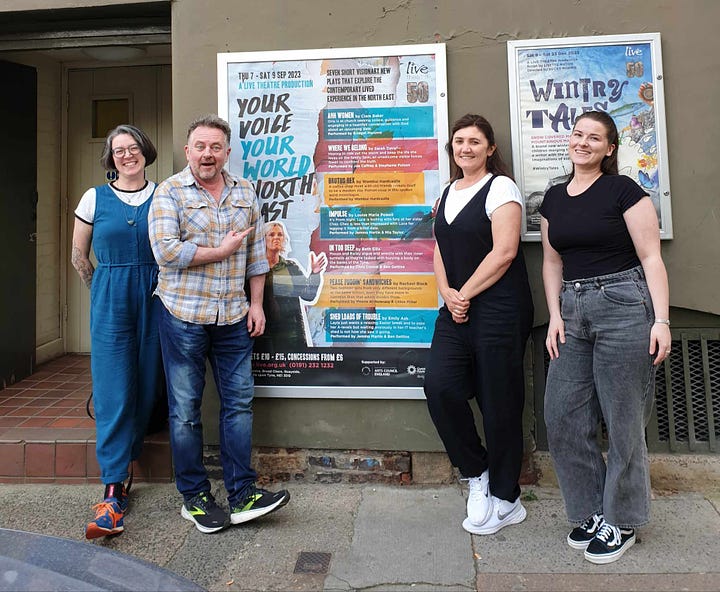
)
(130, 220)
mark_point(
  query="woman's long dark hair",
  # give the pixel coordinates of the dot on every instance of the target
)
(495, 163)
(609, 164)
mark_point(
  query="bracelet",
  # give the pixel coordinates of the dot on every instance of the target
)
(663, 321)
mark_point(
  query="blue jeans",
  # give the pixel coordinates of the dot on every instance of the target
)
(185, 347)
(604, 371)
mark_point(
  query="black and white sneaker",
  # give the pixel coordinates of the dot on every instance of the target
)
(580, 536)
(609, 544)
(258, 502)
(205, 513)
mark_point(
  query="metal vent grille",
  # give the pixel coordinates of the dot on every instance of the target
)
(687, 394)
(312, 562)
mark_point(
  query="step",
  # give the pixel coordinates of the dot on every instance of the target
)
(46, 435)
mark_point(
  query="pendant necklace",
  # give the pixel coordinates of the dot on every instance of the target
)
(129, 219)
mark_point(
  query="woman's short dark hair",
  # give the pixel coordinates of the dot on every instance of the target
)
(146, 146)
(495, 163)
(609, 164)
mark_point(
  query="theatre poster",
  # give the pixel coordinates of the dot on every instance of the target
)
(552, 81)
(345, 151)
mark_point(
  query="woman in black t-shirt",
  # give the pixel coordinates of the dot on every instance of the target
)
(607, 295)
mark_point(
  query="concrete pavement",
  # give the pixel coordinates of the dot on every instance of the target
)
(386, 538)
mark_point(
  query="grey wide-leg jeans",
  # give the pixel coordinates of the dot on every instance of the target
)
(603, 371)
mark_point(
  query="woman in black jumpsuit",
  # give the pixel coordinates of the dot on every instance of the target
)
(481, 331)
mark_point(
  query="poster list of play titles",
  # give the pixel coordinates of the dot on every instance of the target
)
(344, 153)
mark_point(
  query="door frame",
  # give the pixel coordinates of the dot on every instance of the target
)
(64, 196)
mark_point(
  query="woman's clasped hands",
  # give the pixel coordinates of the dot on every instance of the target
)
(457, 305)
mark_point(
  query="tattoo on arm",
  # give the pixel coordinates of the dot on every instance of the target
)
(83, 266)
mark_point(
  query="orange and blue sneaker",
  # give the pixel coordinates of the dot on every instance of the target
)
(109, 514)
(120, 492)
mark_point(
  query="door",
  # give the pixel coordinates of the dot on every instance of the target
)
(18, 203)
(98, 100)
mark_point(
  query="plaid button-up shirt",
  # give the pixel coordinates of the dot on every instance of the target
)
(183, 216)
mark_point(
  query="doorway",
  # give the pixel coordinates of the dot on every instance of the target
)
(18, 200)
(98, 100)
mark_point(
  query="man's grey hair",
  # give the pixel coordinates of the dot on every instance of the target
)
(211, 120)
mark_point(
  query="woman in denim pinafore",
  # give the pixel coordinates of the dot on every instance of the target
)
(607, 294)
(126, 363)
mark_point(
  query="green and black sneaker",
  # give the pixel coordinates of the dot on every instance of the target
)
(258, 502)
(205, 513)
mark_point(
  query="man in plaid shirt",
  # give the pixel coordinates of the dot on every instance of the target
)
(207, 236)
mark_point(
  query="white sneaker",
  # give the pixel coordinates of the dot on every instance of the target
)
(479, 504)
(503, 514)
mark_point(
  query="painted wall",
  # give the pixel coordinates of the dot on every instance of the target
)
(476, 32)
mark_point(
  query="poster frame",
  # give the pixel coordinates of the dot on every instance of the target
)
(438, 50)
(521, 152)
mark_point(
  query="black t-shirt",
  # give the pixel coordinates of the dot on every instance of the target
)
(588, 230)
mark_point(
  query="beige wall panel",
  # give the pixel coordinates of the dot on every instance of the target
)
(48, 328)
(164, 123)
(476, 32)
(340, 423)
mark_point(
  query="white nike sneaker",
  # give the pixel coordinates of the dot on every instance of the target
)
(503, 514)
(479, 504)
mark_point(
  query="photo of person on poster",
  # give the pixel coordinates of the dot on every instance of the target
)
(287, 290)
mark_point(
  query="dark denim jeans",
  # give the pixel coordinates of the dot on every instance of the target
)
(604, 371)
(185, 348)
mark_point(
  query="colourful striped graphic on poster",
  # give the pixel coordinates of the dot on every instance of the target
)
(345, 149)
